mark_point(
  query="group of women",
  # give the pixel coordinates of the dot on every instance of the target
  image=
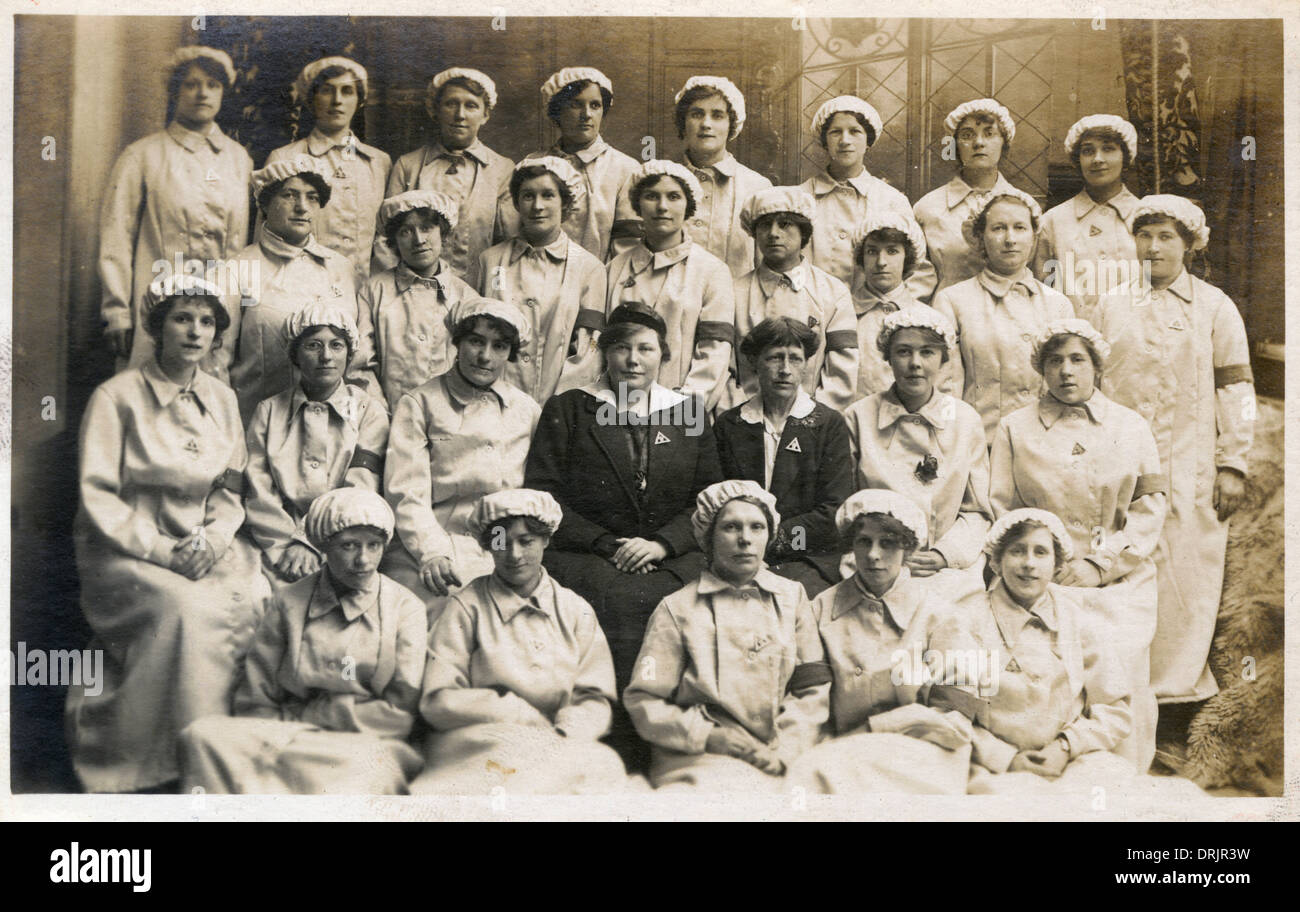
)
(588, 465)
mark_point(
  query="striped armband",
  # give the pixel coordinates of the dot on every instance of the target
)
(364, 459)
(809, 674)
(715, 331)
(1153, 483)
(232, 480)
(1232, 373)
(627, 228)
(842, 339)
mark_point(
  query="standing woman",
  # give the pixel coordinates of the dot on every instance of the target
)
(1093, 463)
(1085, 247)
(1179, 357)
(553, 280)
(519, 683)
(734, 686)
(285, 270)
(170, 592)
(845, 192)
(577, 101)
(317, 435)
(332, 90)
(982, 131)
(710, 113)
(687, 286)
(182, 191)
(459, 103)
(454, 438)
(923, 443)
(1001, 311)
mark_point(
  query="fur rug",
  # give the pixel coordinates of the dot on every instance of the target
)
(1236, 737)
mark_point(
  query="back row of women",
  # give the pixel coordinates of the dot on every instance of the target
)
(544, 401)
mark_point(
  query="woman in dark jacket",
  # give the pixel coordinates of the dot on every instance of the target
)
(796, 448)
(625, 458)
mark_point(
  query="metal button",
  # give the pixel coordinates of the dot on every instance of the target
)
(530, 302)
(844, 234)
(423, 337)
(527, 358)
(858, 671)
(315, 463)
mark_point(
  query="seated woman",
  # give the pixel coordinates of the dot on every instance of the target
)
(454, 438)
(332, 680)
(797, 449)
(519, 682)
(1091, 461)
(317, 435)
(171, 594)
(680, 280)
(624, 458)
(887, 248)
(402, 312)
(999, 312)
(872, 626)
(554, 281)
(923, 443)
(787, 284)
(733, 686)
(287, 269)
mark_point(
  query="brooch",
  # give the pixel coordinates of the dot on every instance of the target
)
(927, 470)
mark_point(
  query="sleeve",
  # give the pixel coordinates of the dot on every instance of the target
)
(119, 227)
(1003, 496)
(962, 543)
(547, 469)
(804, 709)
(366, 469)
(923, 279)
(224, 510)
(269, 523)
(218, 360)
(408, 482)
(1117, 554)
(365, 363)
(990, 751)
(1107, 716)
(103, 441)
(259, 692)
(677, 533)
(655, 678)
(1045, 266)
(834, 485)
(839, 379)
(956, 367)
(450, 699)
(399, 181)
(1234, 389)
(392, 713)
(626, 231)
(587, 714)
(583, 366)
(713, 334)
(852, 421)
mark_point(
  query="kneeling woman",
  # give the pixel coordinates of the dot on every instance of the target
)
(170, 592)
(519, 680)
(731, 686)
(873, 627)
(333, 678)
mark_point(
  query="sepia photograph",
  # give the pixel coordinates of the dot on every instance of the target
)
(468, 412)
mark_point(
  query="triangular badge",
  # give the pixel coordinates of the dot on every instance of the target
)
(661, 437)
(1078, 450)
(793, 446)
(1094, 231)
(1013, 666)
(1177, 324)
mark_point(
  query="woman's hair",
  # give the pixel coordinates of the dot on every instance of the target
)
(561, 99)
(208, 66)
(1019, 531)
(1105, 134)
(267, 193)
(930, 336)
(870, 131)
(295, 344)
(891, 236)
(154, 320)
(333, 72)
(981, 118)
(461, 82)
(504, 329)
(534, 525)
(531, 171)
(1059, 340)
(696, 94)
(982, 219)
(431, 216)
(1153, 218)
(618, 333)
(891, 527)
(782, 331)
(713, 524)
(804, 225)
(639, 187)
